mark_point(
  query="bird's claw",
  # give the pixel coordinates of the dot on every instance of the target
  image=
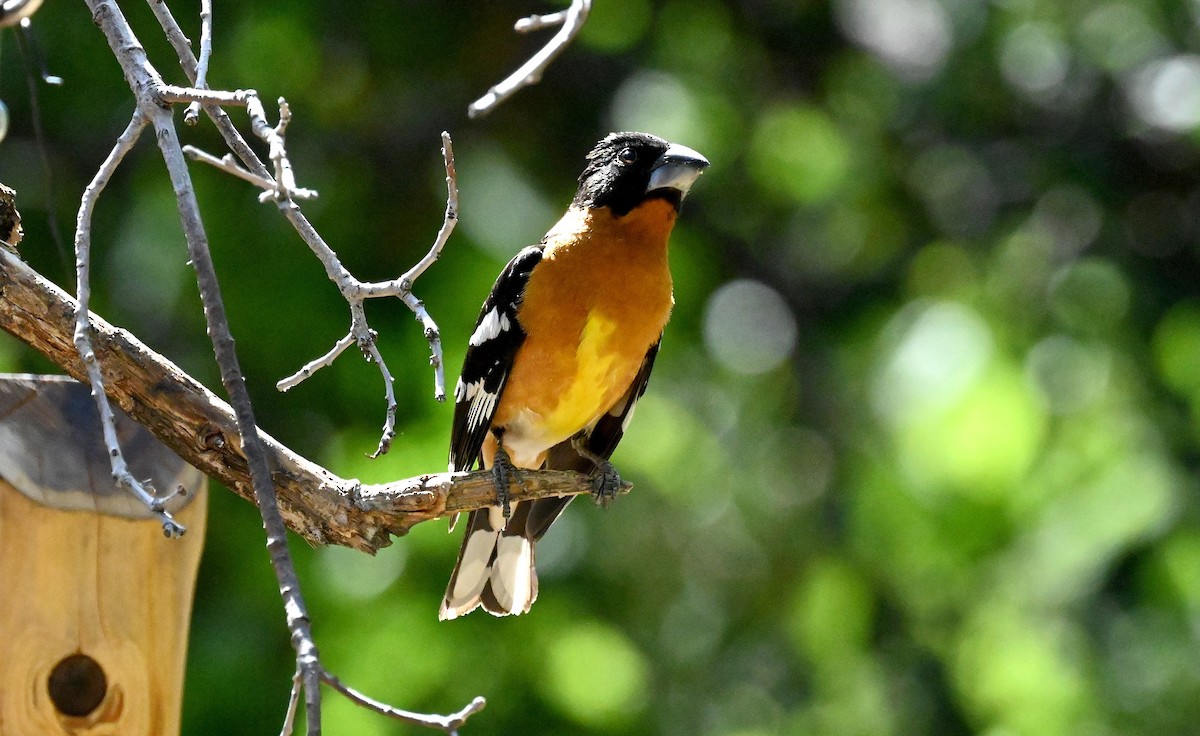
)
(606, 482)
(503, 473)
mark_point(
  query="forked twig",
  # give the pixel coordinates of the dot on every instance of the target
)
(83, 337)
(450, 724)
(570, 21)
(356, 292)
(191, 116)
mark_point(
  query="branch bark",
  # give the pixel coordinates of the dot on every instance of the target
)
(316, 504)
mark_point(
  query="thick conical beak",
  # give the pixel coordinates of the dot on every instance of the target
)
(677, 168)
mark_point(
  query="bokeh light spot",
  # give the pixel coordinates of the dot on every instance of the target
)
(1117, 36)
(1017, 672)
(1166, 93)
(798, 153)
(357, 575)
(491, 184)
(938, 350)
(911, 36)
(594, 675)
(748, 327)
(1177, 348)
(1034, 59)
(1070, 216)
(1068, 374)
(956, 188)
(832, 613)
(1090, 295)
(659, 103)
(981, 445)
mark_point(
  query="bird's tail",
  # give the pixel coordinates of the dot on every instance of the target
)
(495, 566)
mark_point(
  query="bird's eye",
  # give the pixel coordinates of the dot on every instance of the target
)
(627, 156)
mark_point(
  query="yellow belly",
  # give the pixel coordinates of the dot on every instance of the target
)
(586, 385)
(597, 383)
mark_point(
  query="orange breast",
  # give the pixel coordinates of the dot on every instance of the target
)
(594, 306)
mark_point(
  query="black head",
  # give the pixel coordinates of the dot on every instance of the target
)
(626, 169)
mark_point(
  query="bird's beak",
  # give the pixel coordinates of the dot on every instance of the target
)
(677, 168)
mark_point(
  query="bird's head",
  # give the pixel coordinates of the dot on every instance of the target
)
(626, 169)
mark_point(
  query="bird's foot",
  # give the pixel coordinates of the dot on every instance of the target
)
(606, 482)
(504, 473)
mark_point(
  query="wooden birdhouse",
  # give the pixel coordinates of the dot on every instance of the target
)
(94, 601)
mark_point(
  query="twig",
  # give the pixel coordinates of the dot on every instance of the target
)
(317, 363)
(229, 166)
(570, 21)
(192, 115)
(450, 724)
(351, 289)
(82, 334)
(356, 292)
(289, 718)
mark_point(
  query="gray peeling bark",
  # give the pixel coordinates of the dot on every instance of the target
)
(187, 417)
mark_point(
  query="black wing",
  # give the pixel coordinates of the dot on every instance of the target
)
(489, 359)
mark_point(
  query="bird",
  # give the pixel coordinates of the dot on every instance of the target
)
(561, 352)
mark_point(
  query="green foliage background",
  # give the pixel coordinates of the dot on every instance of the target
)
(919, 453)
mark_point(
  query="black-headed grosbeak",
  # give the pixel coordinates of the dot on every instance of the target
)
(561, 352)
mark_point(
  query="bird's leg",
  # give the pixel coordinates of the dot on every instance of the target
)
(606, 481)
(503, 473)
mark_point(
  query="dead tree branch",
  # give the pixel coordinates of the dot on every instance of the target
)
(316, 504)
(355, 292)
(82, 336)
(570, 21)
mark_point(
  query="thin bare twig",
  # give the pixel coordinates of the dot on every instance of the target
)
(289, 718)
(450, 724)
(569, 20)
(276, 189)
(192, 115)
(227, 164)
(355, 292)
(82, 335)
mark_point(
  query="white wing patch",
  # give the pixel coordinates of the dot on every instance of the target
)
(482, 407)
(466, 391)
(490, 327)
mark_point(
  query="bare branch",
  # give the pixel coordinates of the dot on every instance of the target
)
(285, 180)
(82, 335)
(570, 21)
(192, 115)
(278, 187)
(389, 395)
(310, 368)
(229, 166)
(316, 504)
(538, 22)
(289, 718)
(450, 724)
(448, 222)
